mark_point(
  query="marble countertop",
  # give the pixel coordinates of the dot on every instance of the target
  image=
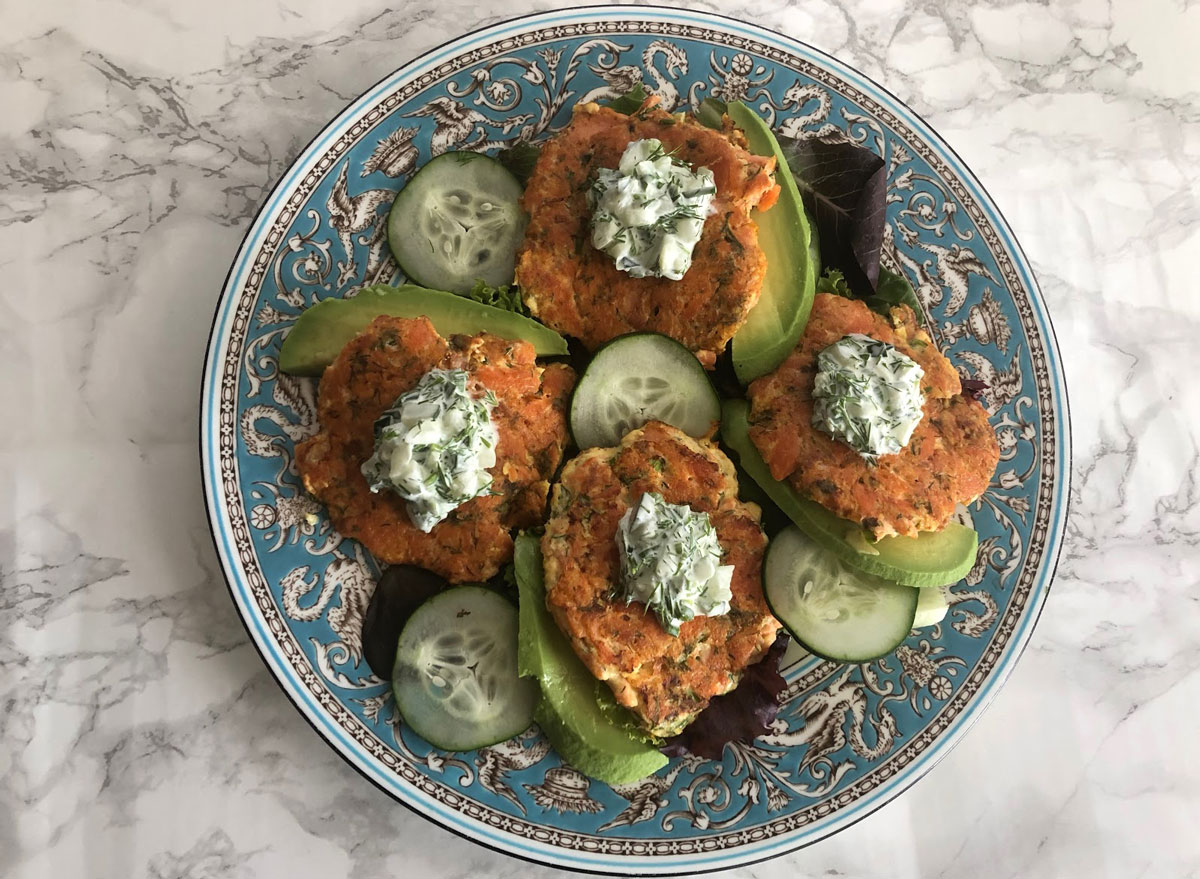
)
(142, 734)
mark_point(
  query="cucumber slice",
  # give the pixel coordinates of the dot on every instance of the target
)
(932, 559)
(323, 330)
(637, 378)
(777, 321)
(931, 607)
(455, 677)
(458, 220)
(833, 610)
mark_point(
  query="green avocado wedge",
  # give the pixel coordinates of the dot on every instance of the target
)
(323, 330)
(933, 559)
(583, 731)
(777, 320)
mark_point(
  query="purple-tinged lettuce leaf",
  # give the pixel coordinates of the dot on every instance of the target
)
(400, 591)
(740, 715)
(844, 187)
(974, 388)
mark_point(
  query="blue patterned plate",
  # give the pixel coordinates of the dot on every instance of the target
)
(850, 737)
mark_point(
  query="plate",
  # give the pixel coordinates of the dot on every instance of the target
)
(850, 737)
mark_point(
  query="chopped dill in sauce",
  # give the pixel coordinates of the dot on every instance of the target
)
(868, 395)
(434, 447)
(671, 562)
(648, 213)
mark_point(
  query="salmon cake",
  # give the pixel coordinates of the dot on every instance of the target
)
(578, 290)
(948, 460)
(390, 357)
(666, 680)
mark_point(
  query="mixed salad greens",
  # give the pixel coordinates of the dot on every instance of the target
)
(468, 684)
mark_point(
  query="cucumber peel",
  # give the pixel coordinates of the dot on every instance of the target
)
(325, 328)
(777, 320)
(935, 558)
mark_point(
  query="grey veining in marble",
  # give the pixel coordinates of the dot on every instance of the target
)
(141, 733)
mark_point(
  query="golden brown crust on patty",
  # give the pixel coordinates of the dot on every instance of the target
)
(666, 680)
(949, 459)
(577, 290)
(377, 366)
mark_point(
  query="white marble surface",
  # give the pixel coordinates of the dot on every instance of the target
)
(141, 733)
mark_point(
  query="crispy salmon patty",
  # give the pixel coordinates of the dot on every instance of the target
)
(949, 459)
(388, 358)
(577, 289)
(665, 680)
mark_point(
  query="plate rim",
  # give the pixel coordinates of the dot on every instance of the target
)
(1060, 501)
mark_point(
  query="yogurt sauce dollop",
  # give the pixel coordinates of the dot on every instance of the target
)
(671, 562)
(434, 447)
(868, 395)
(649, 212)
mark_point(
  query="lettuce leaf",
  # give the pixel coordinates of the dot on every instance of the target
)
(520, 159)
(400, 591)
(834, 282)
(712, 113)
(892, 290)
(506, 297)
(844, 187)
(629, 102)
(974, 388)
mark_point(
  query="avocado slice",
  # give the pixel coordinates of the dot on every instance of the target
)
(932, 559)
(777, 320)
(585, 733)
(323, 330)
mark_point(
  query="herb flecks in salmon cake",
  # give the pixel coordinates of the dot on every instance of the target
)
(948, 460)
(665, 679)
(578, 290)
(371, 372)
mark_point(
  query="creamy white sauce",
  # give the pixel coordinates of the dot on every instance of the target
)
(435, 446)
(868, 395)
(671, 562)
(648, 213)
